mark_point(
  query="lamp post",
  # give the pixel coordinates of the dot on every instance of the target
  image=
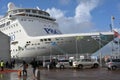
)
(52, 44)
(76, 48)
(112, 26)
(100, 54)
(118, 47)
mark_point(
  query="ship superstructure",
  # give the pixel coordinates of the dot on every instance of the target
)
(34, 33)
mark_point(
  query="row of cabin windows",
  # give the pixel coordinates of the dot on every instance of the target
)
(40, 17)
(12, 26)
(28, 42)
(5, 24)
(32, 21)
(14, 32)
(26, 46)
(29, 11)
(26, 20)
(37, 16)
(34, 44)
(41, 40)
(45, 40)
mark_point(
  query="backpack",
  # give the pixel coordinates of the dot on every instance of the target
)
(26, 65)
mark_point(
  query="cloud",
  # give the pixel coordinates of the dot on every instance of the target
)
(83, 10)
(1, 16)
(80, 21)
(56, 13)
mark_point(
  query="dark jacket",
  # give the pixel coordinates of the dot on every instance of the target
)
(34, 64)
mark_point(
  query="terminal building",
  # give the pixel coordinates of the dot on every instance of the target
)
(5, 47)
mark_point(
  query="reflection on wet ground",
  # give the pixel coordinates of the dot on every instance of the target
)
(85, 74)
(66, 74)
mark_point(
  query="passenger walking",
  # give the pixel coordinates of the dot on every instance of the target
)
(37, 73)
(24, 68)
(13, 63)
(2, 65)
(34, 65)
(7, 64)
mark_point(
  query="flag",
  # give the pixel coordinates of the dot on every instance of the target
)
(116, 34)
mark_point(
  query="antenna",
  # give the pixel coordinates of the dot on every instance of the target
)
(112, 23)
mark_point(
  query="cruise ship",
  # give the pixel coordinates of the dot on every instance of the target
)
(34, 32)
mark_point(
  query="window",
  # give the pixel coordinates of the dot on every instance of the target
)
(34, 11)
(27, 10)
(21, 10)
(116, 60)
(3, 25)
(15, 11)
(8, 23)
(45, 39)
(28, 42)
(40, 12)
(16, 24)
(49, 39)
(21, 19)
(41, 40)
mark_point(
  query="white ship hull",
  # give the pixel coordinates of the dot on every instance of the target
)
(65, 44)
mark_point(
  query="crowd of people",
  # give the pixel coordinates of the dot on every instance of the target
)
(7, 64)
(23, 67)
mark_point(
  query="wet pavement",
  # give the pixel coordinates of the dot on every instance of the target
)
(86, 74)
(66, 74)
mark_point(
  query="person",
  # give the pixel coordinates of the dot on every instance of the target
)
(34, 65)
(7, 64)
(2, 65)
(37, 73)
(70, 62)
(13, 63)
(24, 67)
